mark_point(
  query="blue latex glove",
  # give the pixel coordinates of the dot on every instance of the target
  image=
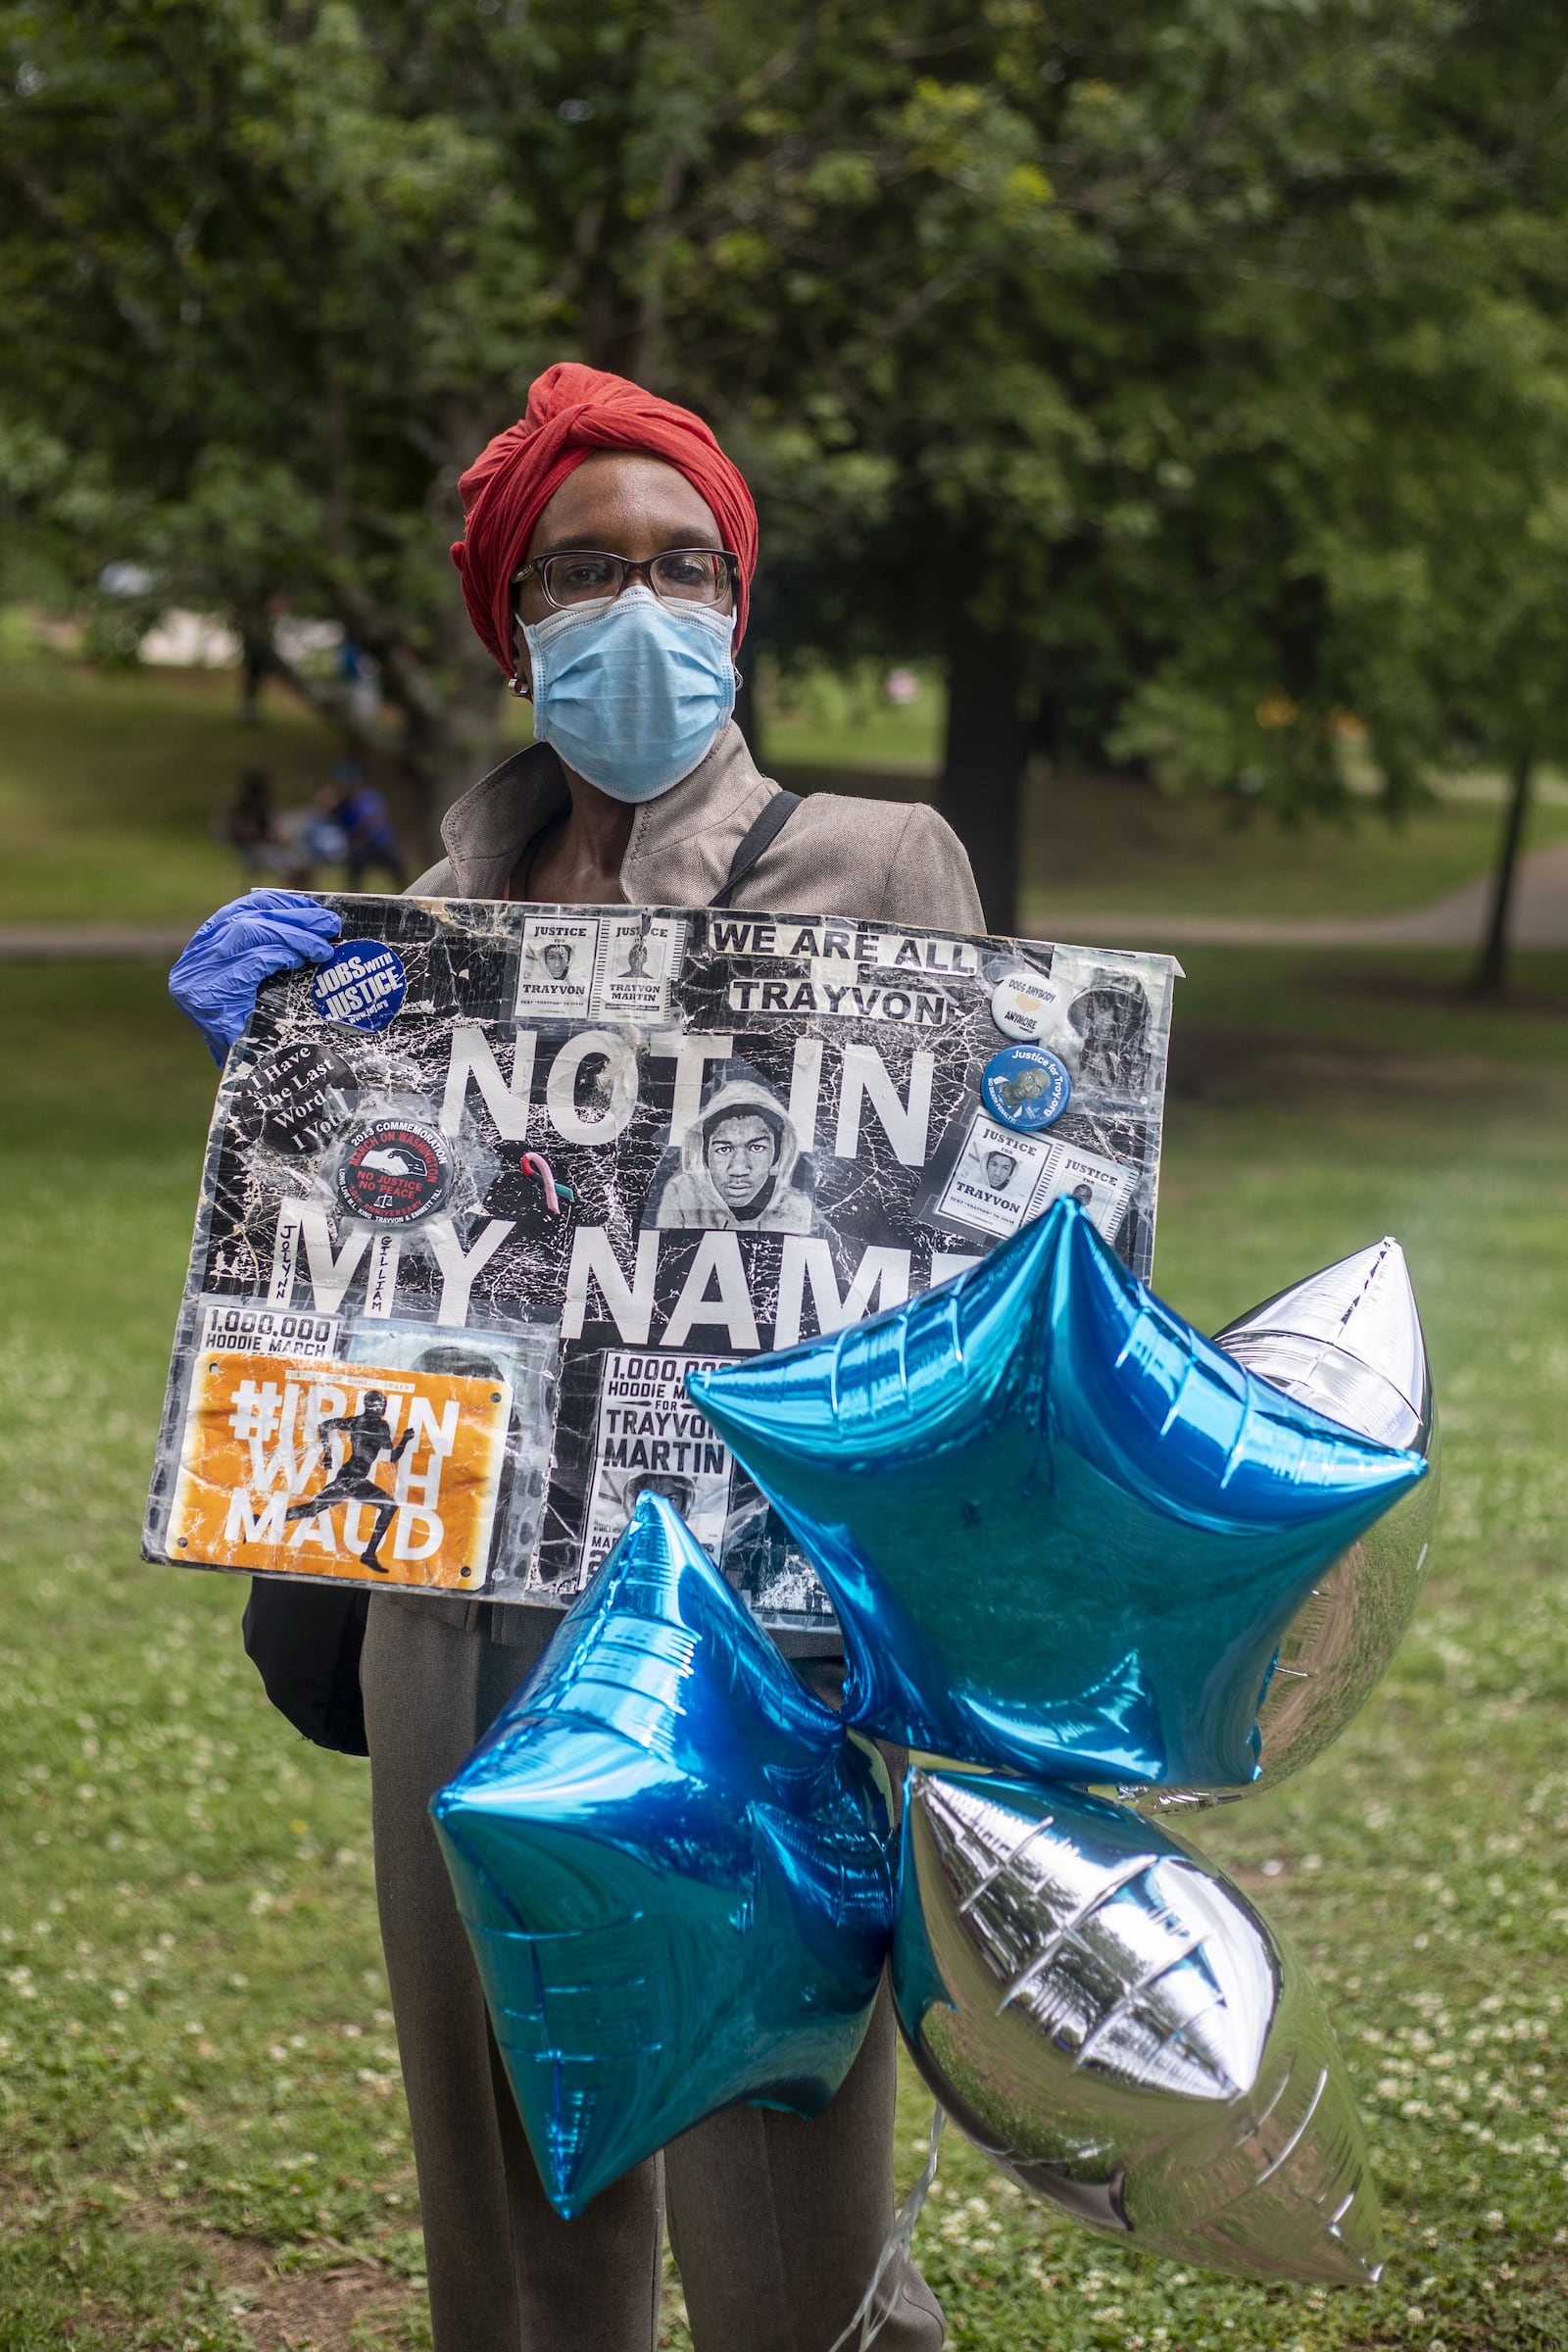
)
(220, 968)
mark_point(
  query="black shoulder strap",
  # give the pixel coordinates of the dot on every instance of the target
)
(759, 835)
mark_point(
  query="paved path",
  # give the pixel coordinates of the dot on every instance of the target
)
(1539, 919)
(76, 943)
(1456, 920)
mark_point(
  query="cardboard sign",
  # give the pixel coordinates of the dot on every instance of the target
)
(450, 1272)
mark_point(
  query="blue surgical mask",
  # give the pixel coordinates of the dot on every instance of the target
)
(633, 693)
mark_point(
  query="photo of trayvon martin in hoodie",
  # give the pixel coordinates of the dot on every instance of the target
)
(738, 1163)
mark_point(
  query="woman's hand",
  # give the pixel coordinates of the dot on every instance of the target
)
(218, 973)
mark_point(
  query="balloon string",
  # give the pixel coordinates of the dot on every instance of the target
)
(900, 2240)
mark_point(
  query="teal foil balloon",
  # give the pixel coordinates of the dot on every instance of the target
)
(675, 1869)
(1063, 1532)
(1105, 2015)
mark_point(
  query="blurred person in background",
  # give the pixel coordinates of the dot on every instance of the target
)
(323, 839)
(263, 838)
(361, 675)
(361, 815)
(607, 564)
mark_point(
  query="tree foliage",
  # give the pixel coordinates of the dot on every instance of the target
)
(1188, 377)
(270, 274)
(1192, 378)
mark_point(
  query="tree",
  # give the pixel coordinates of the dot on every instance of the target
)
(270, 274)
(1415, 413)
(1182, 377)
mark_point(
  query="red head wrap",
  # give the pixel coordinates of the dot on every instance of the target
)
(572, 411)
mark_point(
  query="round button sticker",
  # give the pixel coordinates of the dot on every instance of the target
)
(1026, 1087)
(362, 987)
(295, 1096)
(1022, 1002)
(395, 1170)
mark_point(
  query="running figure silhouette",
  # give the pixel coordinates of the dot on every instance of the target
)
(370, 1436)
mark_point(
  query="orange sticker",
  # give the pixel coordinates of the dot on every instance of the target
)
(343, 1470)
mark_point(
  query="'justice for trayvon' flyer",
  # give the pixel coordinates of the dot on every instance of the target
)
(482, 1191)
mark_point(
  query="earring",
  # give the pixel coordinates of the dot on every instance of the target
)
(522, 692)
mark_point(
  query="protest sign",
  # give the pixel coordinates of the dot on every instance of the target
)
(482, 1190)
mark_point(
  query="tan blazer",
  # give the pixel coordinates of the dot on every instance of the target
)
(880, 861)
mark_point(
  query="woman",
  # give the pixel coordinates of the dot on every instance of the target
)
(607, 562)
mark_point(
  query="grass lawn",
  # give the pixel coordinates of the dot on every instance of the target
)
(203, 2125)
(110, 786)
(1103, 844)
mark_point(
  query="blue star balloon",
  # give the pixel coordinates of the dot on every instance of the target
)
(673, 1867)
(1063, 1533)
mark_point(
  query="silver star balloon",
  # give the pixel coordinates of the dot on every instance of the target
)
(1063, 1533)
(1110, 2020)
(1348, 1343)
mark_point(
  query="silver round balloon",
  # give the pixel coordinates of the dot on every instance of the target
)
(1108, 2018)
(1346, 1342)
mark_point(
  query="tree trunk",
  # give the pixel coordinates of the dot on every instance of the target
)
(450, 692)
(987, 751)
(454, 726)
(252, 677)
(1491, 976)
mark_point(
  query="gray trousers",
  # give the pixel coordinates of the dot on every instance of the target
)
(776, 2223)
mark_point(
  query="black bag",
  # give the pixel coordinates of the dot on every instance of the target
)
(304, 1640)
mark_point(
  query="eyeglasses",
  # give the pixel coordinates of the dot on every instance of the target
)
(682, 575)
